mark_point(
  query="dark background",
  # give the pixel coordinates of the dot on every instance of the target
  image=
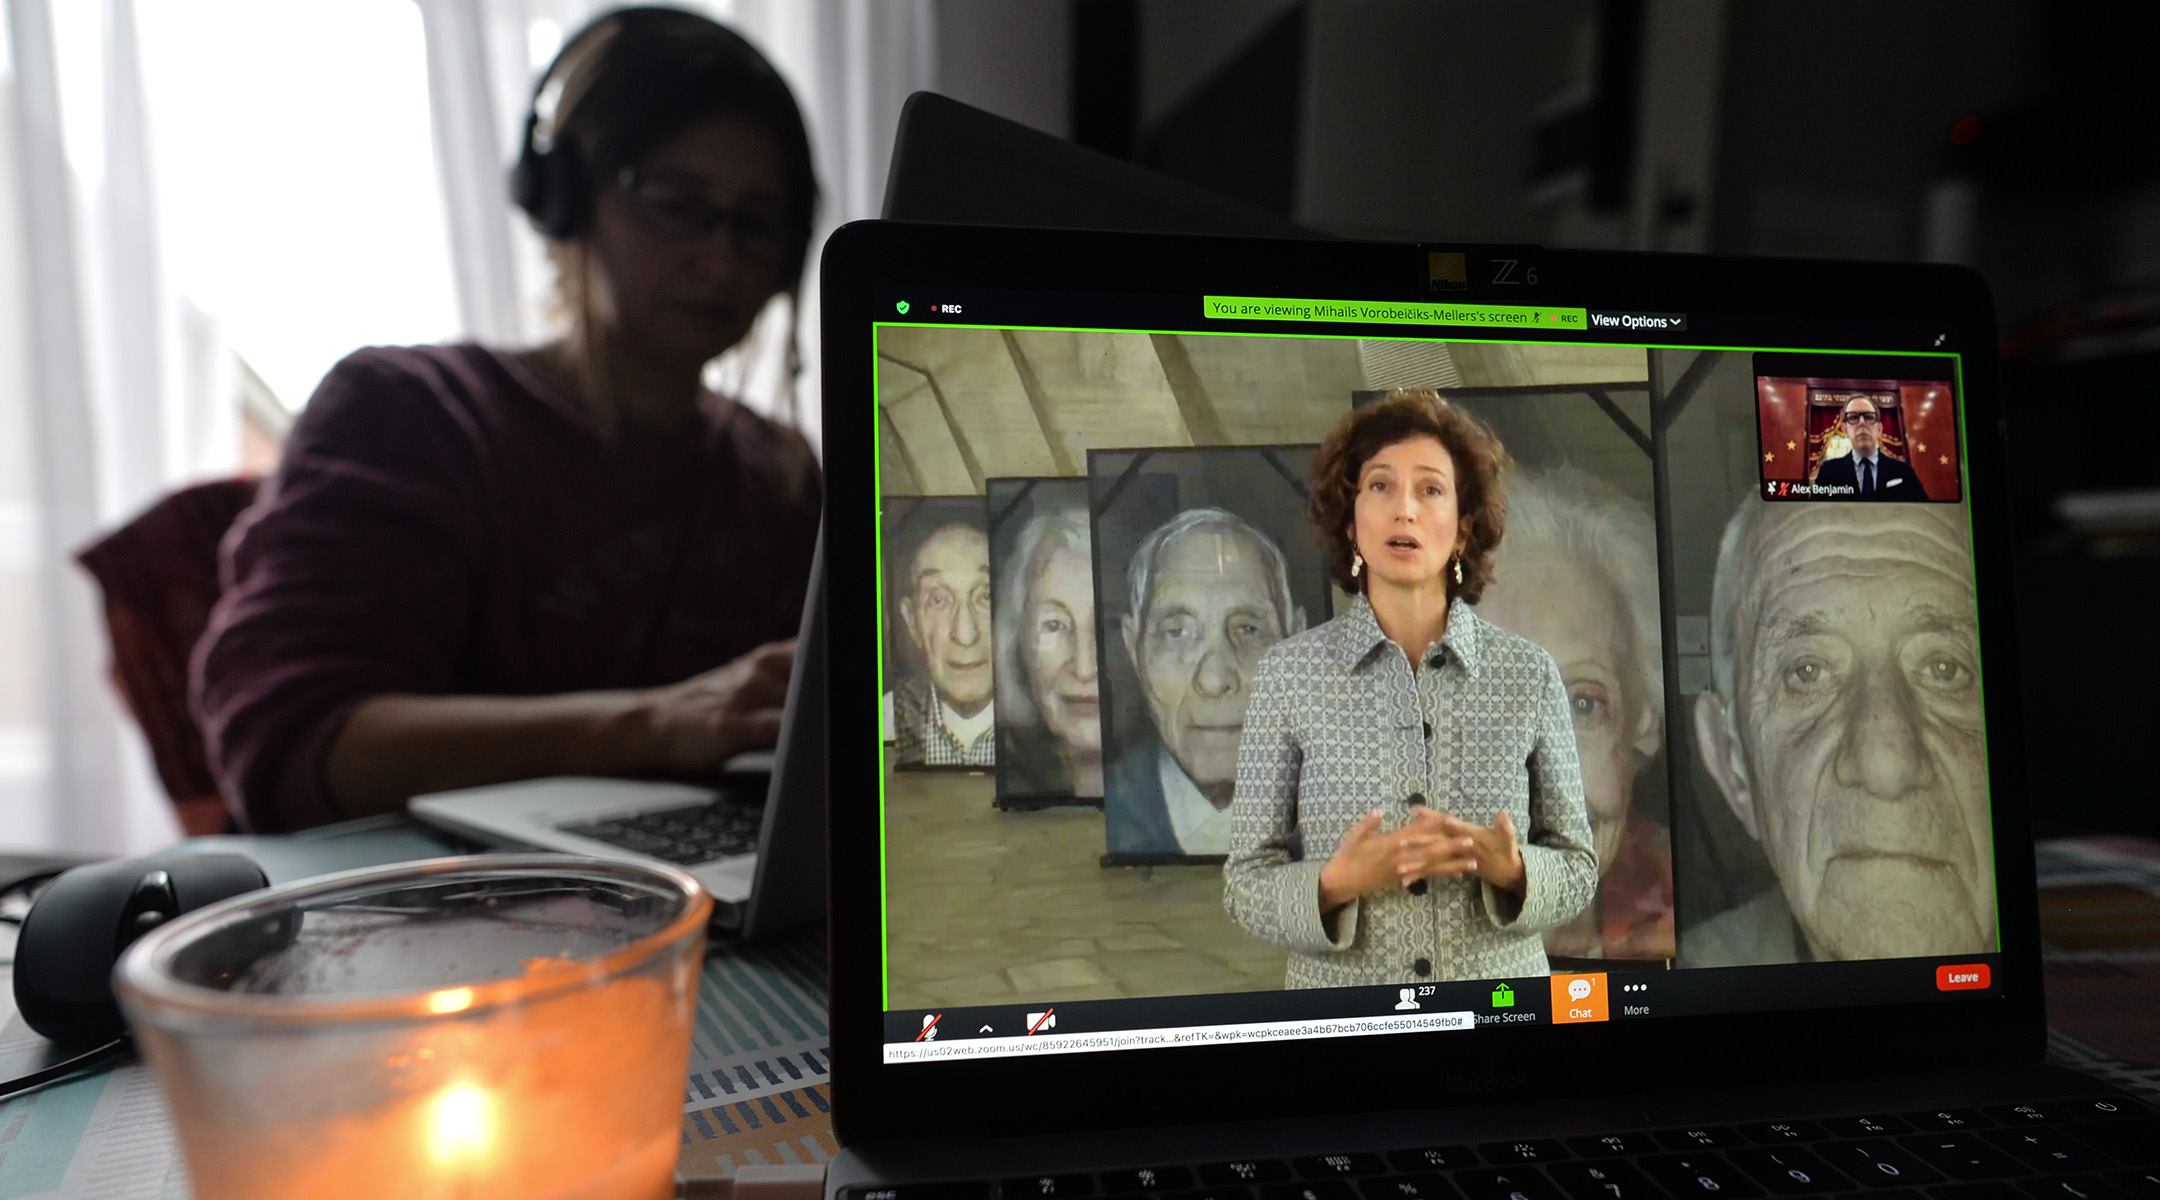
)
(2019, 137)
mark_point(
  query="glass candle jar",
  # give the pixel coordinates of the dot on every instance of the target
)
(493, 1025)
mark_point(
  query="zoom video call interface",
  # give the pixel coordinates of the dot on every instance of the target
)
(1130, 716)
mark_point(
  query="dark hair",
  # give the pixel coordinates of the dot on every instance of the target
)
(1405, 413)
(629, 81)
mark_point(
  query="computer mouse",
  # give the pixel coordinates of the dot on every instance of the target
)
(75, 932)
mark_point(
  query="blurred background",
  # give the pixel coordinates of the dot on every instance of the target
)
(204, 204)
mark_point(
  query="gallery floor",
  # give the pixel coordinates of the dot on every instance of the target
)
(989, 907)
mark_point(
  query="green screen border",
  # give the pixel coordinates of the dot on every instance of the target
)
(877, 407)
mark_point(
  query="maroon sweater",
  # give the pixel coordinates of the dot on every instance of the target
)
(447, 523)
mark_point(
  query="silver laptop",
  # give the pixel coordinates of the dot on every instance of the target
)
(755, 837)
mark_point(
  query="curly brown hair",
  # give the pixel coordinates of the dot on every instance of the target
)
(1405, 413)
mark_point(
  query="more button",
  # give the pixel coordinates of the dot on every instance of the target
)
(1961, 977)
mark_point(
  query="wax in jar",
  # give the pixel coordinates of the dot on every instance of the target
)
(577, 1096)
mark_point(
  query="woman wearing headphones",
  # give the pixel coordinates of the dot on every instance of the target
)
(477, 565)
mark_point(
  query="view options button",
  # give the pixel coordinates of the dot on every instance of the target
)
(1961, 977)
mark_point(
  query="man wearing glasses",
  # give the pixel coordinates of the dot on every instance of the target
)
(1871, 474)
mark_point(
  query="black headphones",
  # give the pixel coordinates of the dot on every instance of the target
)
(548, 181)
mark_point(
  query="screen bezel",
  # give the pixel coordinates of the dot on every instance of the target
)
(875, 1100)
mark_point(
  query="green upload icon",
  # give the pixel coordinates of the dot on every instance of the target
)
(1503, 997)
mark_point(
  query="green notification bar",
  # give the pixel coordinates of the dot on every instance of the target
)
(1392, 312)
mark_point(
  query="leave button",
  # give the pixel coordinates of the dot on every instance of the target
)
(1961, 977)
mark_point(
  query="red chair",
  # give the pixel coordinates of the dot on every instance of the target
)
(159, 573)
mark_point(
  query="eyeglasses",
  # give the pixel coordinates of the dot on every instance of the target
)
(1862, 418)
(674, 211)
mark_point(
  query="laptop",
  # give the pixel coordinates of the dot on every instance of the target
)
(754, 837)
(1809, 959)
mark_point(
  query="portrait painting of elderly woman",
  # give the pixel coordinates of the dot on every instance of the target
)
(1203, 562)
(1409, 799)
(1049, 704)
(1578, 576)
(939, 670)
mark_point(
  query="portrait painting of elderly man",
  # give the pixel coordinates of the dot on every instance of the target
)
(1577, 574)
(1843, 729)
(1210, 564)
(940, 662)
(1049, 704)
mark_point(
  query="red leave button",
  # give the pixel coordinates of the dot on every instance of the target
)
(1961, 977)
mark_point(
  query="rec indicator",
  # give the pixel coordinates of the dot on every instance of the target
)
(1392, 312)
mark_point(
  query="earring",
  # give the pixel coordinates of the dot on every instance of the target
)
(1357, 563)
(1458, 571)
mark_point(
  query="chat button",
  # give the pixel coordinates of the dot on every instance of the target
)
(1579, 998)
(1962, 977)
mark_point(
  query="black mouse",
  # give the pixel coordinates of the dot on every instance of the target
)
(75, 932)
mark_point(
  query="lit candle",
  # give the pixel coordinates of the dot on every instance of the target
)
(574, 1096)
(499, 1026)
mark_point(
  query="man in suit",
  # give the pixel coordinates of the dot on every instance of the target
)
(1871, 474)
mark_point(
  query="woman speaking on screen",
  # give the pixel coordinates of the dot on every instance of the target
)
(1409, 806)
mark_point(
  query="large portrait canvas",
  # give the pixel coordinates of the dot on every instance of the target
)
(1203, 561)
(1577, 573)
(940, 667)
(1049, 702)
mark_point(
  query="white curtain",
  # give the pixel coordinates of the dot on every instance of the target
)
(851, 63)
(119, 393)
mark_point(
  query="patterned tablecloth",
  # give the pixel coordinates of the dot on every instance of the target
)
(758, 1089)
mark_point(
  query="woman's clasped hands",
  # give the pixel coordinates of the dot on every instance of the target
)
(1434, 845)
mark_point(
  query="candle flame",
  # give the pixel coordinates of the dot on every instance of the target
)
(450, 1000)
(461, 1123)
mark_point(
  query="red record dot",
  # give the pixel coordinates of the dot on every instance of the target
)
(1965, 131)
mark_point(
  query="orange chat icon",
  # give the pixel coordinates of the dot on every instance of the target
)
(1578, 998)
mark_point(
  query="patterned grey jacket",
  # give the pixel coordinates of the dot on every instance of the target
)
(1338, 726)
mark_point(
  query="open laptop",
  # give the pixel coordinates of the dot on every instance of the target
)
(754, 838)
(1812, 963)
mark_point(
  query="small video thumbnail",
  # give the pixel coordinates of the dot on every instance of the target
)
(1856, 429)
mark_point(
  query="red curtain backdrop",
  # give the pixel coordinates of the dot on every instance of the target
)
(1782, 413)
(1932, 447)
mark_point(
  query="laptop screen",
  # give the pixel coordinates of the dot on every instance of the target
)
(1167, 760)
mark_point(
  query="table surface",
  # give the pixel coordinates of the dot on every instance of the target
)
(756, 1093)
(757, 1090)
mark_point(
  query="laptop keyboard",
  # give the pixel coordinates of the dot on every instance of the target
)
(700, 833)
(2105, 1149)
